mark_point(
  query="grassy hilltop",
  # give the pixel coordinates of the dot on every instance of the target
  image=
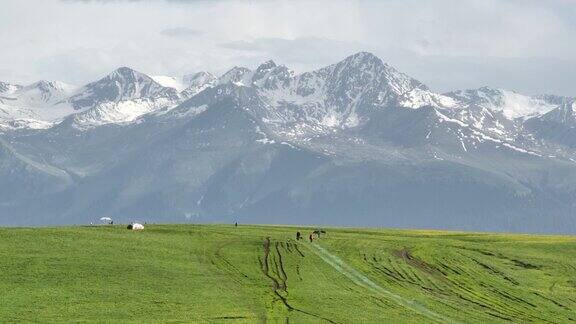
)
(213, 274)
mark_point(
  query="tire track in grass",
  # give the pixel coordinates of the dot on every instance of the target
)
(360, 279)
(279, 285)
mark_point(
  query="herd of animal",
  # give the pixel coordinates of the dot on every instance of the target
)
(314, 235)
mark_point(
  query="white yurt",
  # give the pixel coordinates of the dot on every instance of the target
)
(136, 227)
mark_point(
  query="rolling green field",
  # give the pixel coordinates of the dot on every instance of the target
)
(253, 274)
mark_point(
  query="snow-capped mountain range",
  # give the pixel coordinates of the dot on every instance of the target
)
(353, 143)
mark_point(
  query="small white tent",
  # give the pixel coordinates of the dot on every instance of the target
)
(106, 220)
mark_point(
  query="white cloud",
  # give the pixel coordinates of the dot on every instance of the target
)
(445, 43)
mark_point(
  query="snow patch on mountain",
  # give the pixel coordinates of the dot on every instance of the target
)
(35, 106)
(198, 82)
(23, 123)
(564, 114)
(169, 82)
(418, 97)
(511, 104)
(37, 95)
(8, 88)
(126, 111)
(516, 105)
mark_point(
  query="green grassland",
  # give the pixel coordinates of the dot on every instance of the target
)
(260, 274)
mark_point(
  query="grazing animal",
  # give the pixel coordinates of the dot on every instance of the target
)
(318, 232)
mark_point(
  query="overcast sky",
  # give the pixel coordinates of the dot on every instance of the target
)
(523, 45)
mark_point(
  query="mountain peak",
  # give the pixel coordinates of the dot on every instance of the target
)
(197, 82)
(372, 64)
(364, 72)
(124, 69)
(46, 85)
(268, 65)
(125, 72)
(364, 58)
(237, 75)
(125, 75)
(42, 83)
(563, 114)
(9, 88)
(237, 70)
(198, 77)
(364, 55)
(38, 94)
(270, 76)
(121, 84)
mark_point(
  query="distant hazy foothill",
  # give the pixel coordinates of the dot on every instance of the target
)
(354, 143)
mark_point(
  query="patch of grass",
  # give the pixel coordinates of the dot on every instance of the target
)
(218, 273)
